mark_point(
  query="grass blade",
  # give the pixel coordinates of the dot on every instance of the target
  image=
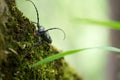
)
(62, 54)
(110, 24)
(54, 57)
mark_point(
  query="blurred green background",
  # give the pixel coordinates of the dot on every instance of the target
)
(90, 64)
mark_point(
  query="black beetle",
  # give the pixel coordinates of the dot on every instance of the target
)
(41, 32)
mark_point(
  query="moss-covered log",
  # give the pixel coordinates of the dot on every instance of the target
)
(17, 35)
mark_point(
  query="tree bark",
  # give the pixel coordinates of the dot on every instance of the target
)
(114, 62)
(17, 34)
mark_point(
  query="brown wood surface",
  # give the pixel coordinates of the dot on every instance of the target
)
(113, 66)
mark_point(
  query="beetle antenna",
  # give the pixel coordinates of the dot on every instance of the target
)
(58, 29)
(38, 25)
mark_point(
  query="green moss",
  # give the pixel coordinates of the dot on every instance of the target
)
(19, 36)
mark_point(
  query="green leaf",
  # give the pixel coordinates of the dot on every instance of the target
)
(110, 24)
(62, 54)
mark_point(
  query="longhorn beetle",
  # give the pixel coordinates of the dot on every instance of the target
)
(41, 32)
